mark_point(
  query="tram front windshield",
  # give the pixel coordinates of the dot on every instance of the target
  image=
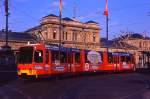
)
(26, 54)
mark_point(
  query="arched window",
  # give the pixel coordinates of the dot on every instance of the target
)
(54, 34)
(66, 35)
(63, 35)
(94, 37)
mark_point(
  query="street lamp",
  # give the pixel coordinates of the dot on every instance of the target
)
(6, 47)
(60, 27)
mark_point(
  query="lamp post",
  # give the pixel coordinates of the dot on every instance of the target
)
(6, 47)
(60, 27)
(6, 14)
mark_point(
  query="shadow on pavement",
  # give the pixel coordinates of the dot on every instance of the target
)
(6, 77)
(143, 71)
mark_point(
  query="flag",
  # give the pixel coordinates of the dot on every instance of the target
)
(105, 13)
(6, 7)
(60, 5)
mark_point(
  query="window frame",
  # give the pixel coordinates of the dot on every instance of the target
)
(37, 58)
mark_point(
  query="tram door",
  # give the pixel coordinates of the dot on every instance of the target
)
(75, 62)
(116, 62)
(70, 62)
(47, 62)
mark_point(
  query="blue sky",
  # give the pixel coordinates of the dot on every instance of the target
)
(124, 15)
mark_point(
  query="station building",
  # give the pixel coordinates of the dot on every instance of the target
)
(142, 43)
(76, 34)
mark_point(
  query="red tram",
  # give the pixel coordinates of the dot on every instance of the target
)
(49, 59)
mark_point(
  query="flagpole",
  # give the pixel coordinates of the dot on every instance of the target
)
(60, 23)
(107, 32)
(107, 19)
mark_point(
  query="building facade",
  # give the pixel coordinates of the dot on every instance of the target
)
(73, 33)
(76, 34)
(15, 39)
(143, 48)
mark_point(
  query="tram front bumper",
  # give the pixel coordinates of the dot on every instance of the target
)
(27, 72)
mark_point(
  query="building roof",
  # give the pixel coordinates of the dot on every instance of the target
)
(91, 22)
(132, 36)
(50, 15)
(34, 28)
(136, 35)
(16, 36)
(115, 44)
(67, 19)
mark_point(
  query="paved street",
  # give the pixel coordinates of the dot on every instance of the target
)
(110, 86)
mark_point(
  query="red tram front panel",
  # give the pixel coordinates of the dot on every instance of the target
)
(31, 60)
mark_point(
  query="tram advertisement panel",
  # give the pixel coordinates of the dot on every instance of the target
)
(93, 59)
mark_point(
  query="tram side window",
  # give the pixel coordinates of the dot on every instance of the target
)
(101, 57)
(110, 58)
(128, 59)
(47, 57)
(123, 59)
(63, 57)
(25, 55)
(55, 56)
(38, 56)
(132, 59)
(70, 60)
(86, 59)
(77, 57)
